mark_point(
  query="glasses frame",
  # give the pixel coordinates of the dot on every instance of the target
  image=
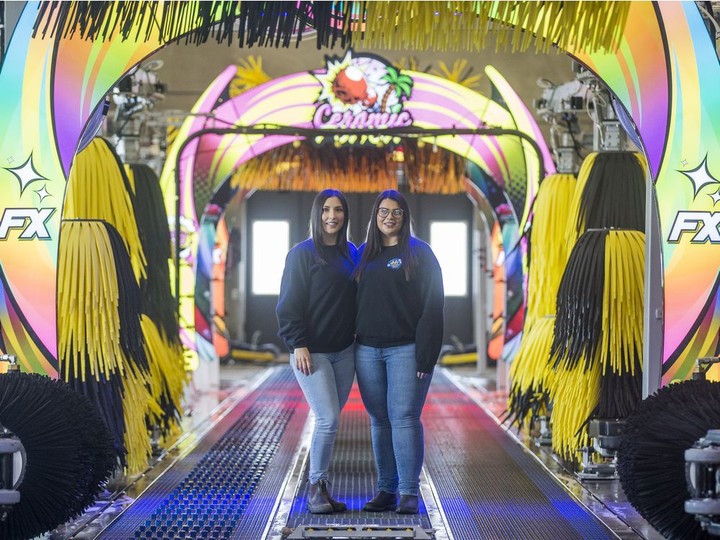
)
(385, 212)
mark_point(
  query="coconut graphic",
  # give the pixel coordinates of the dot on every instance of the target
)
(350, 87)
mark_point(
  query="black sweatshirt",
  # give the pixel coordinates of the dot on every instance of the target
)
(393, 311)
(316, 307)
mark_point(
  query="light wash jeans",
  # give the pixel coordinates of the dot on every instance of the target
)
(394, 397)
(326, 389)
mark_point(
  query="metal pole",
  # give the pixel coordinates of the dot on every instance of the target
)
(308, 133)
(653, 296)
(177, 232)
(481, 326)
(273, 129)
(2, 31)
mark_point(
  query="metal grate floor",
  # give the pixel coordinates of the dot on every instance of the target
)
(489, 486)
(352, 478)
(227, 486)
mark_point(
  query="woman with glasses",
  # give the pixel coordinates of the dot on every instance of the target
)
(399, 329)
(316, 319)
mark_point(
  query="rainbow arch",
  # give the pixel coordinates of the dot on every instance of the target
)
(664, 72)
(202, 162)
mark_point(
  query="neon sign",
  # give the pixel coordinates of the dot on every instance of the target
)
(364, 93)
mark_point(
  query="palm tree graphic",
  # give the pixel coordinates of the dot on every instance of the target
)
(402, 84)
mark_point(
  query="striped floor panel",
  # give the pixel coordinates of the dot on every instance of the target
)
(227, 486)
(482, 483)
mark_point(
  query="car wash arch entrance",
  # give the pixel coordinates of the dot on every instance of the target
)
(406, 109)
(664, 46)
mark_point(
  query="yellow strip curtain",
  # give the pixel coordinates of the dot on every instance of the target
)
(354, 169)
(469, 26)
(408, 24)
(99, 189)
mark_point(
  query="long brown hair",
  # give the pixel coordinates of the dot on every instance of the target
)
(315, 225)
(373, 240)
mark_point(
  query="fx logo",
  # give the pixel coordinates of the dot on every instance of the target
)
(703, 225)
(32, 222)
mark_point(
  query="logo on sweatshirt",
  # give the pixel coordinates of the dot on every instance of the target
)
(394, 264)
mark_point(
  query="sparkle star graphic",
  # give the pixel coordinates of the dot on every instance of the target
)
(26, 174)
(42, 193)
(700, 176)
(715, 197)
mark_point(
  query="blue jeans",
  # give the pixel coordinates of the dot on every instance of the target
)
(394, 397)
(326, 389)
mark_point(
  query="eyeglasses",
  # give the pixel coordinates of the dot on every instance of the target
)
(396, 212)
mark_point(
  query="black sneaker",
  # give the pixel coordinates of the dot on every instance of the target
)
(408, 504)
(382, 502)
(318, 501)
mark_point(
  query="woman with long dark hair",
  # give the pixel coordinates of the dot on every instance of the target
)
(399, 329)
(316, 319)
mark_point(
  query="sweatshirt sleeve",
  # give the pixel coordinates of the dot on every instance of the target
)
(429, 333)
(293, 300)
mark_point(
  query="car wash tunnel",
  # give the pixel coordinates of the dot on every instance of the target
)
(247, 478)
(531, 186)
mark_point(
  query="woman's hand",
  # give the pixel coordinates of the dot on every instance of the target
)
(303, 361)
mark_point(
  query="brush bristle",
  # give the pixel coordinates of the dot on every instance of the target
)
(68, 448)
(651, 459)
(152, 222)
